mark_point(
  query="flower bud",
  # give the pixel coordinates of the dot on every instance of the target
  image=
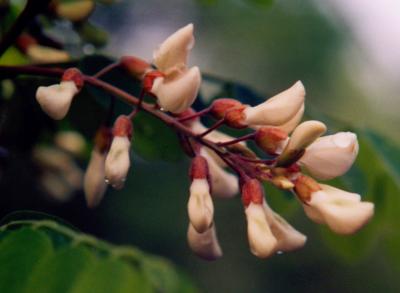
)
(205, 244)
(261, 240)
(235, 117)
(175, 49)
(56, 99)
(271, 140)
(219, 107)
(94, 185)
(288, 238)
(136, 67)
(118, 162)
(200, 205)
(252, 192)
(75, 75)
(74, 11)
(305, 186)
(304, 134)
(330, 156)
(342, 211)
(224, 184)
(278, 109)
(177, 94)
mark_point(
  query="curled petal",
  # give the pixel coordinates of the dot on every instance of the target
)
(205, 244)
(290, 125)
(223, 183)
(118, 162)
(94, 184)
(261, 240)
(342, 211)
(278, 109)
(56, 99)
(177, 94)
(288, 238)
(330, 156)
(175, 49)
(200, 205)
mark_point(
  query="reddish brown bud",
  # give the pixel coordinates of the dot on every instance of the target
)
(252, 192)
(199, 168)
(149, 78)
(220, 106)
(24, 41)
(75, 75)
(270, 139)
(102, 139)
(123, 127)
(136, 67)
(305, 186)
(235, 118)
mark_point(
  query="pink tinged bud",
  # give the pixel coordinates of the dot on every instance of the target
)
(175, 49)
(205, 244)
(177, 94)
(94, 185)
(271, 140)
(288, 238)
(220, 106)
(75, 75)
(224, 184)
(56, 99)
(200, 205)
(330, 156)
(342, 211)
(261, 240)
(123, 127)
(278, 109)
(118, 162)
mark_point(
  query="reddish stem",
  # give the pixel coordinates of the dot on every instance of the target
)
(212, 128)
(236, 140)
(195, 115)
(106, 69)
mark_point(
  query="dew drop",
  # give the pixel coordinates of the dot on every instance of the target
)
(107, 181)
(279, 252)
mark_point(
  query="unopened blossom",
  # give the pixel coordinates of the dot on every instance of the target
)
(330, 156)
(205, 244)
(224, 184)
(200, 205)
(74, 10)
(118, 161)
(343, 212)
(94, 185)
(56, 99)
(271, 140)
(176, 93)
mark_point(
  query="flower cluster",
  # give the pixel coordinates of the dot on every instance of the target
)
(221, 165)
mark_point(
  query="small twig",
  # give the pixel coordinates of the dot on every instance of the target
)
(106, 69)
(195, 115)
(138, 106)
(212, 128)
(236, 140)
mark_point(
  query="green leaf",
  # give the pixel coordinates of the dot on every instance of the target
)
(263, 3)
(47, 256)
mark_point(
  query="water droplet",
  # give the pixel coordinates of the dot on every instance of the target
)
(162, 109)
(107, 181)
(279, 252)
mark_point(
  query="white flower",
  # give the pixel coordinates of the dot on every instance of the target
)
(261, 240)
(56, 99)
(330, 156)
(94, 185)
(177, 93)
(118, 162)
(277, 110)
(342, 211)
(174, 51)
(224, 184)
(288, 238)
(200, 205)
(293, 122)
(205, 245)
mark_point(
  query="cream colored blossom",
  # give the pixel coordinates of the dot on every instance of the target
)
(94, 185)
(200, 205)
(118, 162)
(205, 244)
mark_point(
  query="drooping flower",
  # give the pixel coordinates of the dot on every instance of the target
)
(56, 99)
(200, 205)
(343, 212)
(94, 185)
(177, 87)
(118, 162)
(205, 244)
(330, 156)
